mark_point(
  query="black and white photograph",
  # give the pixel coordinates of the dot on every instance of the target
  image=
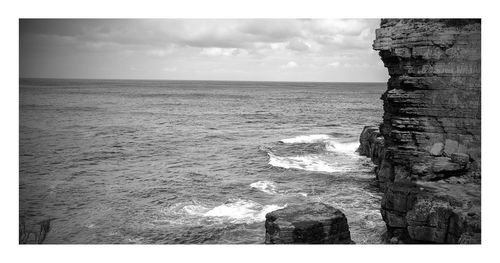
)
(244, 159)
(248, 132)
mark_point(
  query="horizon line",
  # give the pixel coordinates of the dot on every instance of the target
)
(214, 80)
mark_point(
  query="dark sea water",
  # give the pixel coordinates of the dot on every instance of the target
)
(192, 161)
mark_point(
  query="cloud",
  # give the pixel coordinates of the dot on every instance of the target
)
(298, 45)
(197, 45)
(352, 27)
(159, 52)
(334, 64)
(291, 64)
(214, 51)
(204, 33)
(271, 30)
(170, 69)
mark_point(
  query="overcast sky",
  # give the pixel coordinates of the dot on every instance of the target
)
(203, 49)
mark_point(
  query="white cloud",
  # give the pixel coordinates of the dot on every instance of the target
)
(277, 46)
(159, 52)
(359, 65)
(338, 26)
(215, 51)
(298, 45)
(334, 64)
(170, 69)
(255, 46)
(291, 64)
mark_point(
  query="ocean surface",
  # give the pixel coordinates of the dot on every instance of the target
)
(160, 162)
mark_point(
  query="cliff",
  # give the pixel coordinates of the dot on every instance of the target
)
(428, 148)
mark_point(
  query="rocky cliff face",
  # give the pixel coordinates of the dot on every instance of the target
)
(428, 148)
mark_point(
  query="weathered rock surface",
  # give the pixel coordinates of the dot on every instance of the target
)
(430, 161)
(435, 212)
(312, 223)
(33, 233)
(372, 144)
(432, 107)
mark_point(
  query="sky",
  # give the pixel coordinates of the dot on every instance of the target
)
(320, 50)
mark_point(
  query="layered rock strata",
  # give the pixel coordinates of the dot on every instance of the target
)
(313, 223)
(428, 148)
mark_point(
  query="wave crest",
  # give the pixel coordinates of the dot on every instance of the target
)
(307, 162)
(331, 145)
(239, 211)
(307, 138)
(267, 187)
(339, 147)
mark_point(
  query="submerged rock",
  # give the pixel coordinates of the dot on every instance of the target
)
(312, 223)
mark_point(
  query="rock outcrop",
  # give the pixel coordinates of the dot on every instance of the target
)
(313, 223)
(34, 233)
(428, 148)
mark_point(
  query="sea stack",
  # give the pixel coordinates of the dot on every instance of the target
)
(428, 148)
(313, 223)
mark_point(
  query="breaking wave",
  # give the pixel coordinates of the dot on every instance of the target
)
(267, 187)
(340, 147)
(312, 163)
(239, 211)
(307, 138)
(331, 145)
(336, 156)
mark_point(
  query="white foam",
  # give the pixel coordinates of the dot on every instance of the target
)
(307, 138)
(339, 147)
(239, 211)
(267, 187)
(195, 209)
(330, 144)
(313, 163)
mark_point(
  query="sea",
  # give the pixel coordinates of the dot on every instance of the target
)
(192, 162)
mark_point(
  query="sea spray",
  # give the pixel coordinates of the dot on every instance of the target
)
(265, 186)
(235, 211)
(307, 138)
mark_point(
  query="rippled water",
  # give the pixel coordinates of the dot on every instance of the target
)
(192, 161)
